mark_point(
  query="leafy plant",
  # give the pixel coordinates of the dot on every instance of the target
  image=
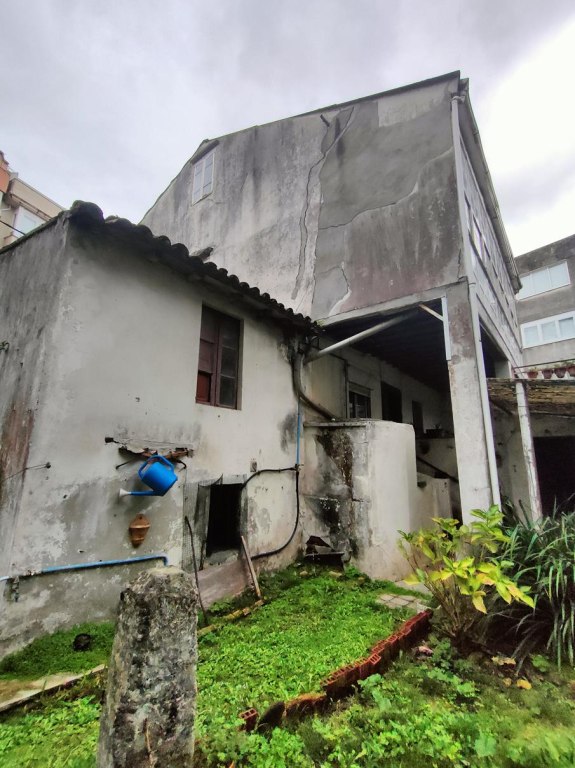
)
(542, 556)
(54, 653)
(459, 566)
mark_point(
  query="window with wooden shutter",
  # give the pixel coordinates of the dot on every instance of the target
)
(218, 359)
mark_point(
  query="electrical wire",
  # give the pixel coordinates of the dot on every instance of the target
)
(47, 465)
(195, 564)
(296, 524)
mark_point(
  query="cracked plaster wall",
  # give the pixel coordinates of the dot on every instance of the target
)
(331, 212)
(120, 359)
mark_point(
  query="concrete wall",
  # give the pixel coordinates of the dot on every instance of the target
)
(360, 488)
(553, 302)
(333, 211)
(108, 346)
(28, 326)
(329, 378)
(494, 290)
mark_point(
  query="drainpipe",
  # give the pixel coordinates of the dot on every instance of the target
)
(84, 566)
(528, 450)
(472, 288)
(297, 366)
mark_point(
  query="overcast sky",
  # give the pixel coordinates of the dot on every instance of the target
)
(105, 100)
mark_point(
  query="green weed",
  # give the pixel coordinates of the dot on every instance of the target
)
(54, 653)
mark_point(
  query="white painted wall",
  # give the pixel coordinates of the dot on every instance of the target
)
(123, 363)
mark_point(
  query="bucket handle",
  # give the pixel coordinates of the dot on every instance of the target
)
(158, 458)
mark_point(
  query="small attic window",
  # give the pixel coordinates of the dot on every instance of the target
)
(203, 176)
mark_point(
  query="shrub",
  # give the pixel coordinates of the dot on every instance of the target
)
(543, 557)
(459, 565)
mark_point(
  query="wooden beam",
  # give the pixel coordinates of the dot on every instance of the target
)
(252, 571)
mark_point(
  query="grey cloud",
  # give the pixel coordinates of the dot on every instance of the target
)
(107, 100)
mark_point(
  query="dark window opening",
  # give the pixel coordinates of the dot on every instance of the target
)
(417, 417)
(555, 457)
(391, 408)
(219, 359)
(359, 405)
(494, 360)
(224, 519)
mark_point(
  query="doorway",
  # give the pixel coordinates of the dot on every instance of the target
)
(555, 457)
(223, 539)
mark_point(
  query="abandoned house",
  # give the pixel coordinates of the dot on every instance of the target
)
(117, 342)
(377, 216)
(377, 219)
(118, 345)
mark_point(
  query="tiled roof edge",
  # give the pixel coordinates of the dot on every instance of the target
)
(177, 257)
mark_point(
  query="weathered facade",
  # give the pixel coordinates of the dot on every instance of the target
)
(103, 325)
(105, 357)
(362, 212)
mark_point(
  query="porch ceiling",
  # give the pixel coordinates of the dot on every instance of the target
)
(553, 398)
(415, 346)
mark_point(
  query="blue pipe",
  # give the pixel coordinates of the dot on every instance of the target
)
(84, 566)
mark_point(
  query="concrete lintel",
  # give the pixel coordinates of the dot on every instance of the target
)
(387, 307)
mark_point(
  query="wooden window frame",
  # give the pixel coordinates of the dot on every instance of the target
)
(201, 187)
(355, 391)
(213, 327)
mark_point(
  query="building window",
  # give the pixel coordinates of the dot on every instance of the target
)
(219, 359)
(359, 402)
(548, 330)
(543, 280)
(25, 221)
(203, 176)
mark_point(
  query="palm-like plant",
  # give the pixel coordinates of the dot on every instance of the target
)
(543, 557)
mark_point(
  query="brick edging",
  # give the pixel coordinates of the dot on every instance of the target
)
(341, 682)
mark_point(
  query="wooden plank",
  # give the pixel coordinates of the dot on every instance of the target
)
(222, 581)
(251, 568)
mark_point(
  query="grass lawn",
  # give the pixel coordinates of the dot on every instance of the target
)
(438, 712)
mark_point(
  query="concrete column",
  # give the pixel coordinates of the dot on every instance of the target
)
(466, 402)
(148, 715)
(528, 450)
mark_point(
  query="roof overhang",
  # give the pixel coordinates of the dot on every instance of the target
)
(415, 346)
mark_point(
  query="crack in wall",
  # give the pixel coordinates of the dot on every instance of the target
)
(400, 200)
(304, 231)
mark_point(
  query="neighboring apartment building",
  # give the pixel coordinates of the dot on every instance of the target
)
(377, 217)
(22, 208)
(546, 302)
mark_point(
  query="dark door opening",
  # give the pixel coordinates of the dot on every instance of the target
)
(555, 458)
(417, 417)
(391, 408)
(223, 539)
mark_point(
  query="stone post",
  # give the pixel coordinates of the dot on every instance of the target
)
(148, 715)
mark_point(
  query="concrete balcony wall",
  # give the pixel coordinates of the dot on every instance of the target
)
(359, 488)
